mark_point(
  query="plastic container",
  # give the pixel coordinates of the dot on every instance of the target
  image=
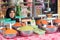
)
(19, 16)
(39, 31)
(13, 22)
(7, 19)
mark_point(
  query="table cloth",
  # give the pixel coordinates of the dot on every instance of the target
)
(54, 36)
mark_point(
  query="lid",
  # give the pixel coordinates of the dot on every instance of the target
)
(10, 31)
(7, 19)
(20, 17)
(26, 18)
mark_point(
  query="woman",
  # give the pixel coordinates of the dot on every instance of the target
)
(4, 8)
(1, 15)
(1, 2)
(10, 13)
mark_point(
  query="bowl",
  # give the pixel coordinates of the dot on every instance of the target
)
(17, 25)
(51, 29)
(2, 30)
(26, 33)
(57, 20)
(9, 36)
(26, 30)
(10, 33)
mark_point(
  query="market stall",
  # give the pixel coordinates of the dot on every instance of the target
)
(29, 20)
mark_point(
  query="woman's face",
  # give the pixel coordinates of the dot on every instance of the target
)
(12, 14)
(4, 8)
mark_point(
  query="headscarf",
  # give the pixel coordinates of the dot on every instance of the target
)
(8, 12)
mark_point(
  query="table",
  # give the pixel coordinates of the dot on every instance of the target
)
(54, 36)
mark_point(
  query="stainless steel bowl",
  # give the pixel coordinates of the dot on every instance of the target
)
(51, 30)
(26, 33)
(9, 35)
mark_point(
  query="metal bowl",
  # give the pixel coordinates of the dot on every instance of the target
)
(51, 30)
(26, 30)
(2, 30)
(9, 35)
(26, 33)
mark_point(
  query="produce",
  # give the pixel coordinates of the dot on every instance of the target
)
(26, 30)
(10, 33)
(51, 29)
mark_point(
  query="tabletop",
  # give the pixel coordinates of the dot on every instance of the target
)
(54, 36)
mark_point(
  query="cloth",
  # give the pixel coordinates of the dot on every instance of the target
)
(54, 36)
